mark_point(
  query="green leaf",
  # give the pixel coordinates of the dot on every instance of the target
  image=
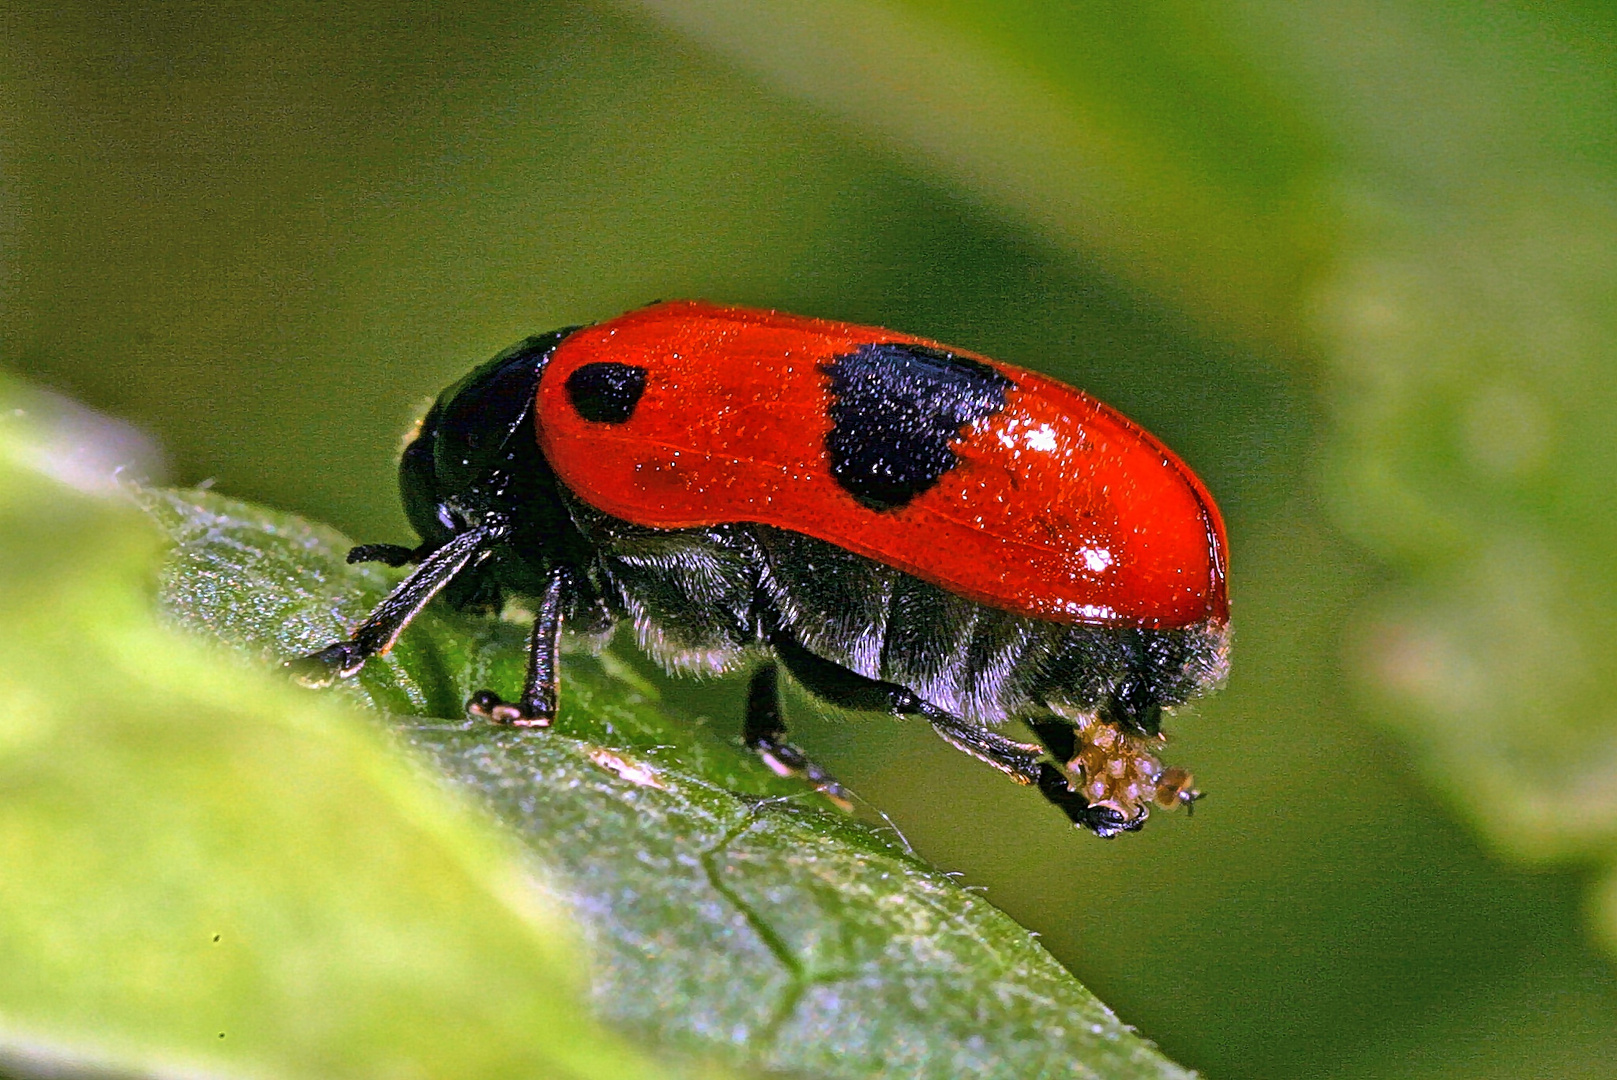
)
(205, 871)
(729, 913)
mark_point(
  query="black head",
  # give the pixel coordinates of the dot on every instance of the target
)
(476, 457)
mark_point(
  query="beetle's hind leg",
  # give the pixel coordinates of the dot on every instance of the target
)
(765, 732)
(1026, 764)
(1022, 762)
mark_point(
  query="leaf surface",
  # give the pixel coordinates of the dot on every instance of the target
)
(729, 912)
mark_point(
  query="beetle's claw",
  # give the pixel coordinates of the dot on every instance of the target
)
(319, 669)
(1108, 821)
(487, 705)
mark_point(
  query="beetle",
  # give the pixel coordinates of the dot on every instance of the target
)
(901, 525)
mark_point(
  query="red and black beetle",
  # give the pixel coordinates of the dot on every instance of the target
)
(904, 526)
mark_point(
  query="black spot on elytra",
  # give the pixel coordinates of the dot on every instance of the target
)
(606, 393)
(895, 410)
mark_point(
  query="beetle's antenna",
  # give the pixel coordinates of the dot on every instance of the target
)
(376, 635)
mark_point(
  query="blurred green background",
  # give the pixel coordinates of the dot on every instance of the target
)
(1355, 262)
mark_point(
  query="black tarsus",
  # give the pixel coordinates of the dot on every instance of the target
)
(539, 693)
(376, 635)
(764, 732)
(1020, 761)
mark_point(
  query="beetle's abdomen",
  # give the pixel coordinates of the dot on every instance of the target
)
(979, 662)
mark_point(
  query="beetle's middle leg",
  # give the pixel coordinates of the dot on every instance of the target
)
(537, 708)
(765, 732)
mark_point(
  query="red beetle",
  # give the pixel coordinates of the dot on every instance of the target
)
(904, 526)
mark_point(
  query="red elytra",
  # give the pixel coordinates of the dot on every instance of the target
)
(1060, 507)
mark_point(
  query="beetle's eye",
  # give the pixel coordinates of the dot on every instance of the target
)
(607, 392)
